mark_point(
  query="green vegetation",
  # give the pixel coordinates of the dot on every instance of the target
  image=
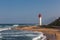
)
(55, 23)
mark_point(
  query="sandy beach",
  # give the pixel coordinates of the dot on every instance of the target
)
(52, 34)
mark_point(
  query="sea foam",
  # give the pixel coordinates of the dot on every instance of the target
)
(7, 34)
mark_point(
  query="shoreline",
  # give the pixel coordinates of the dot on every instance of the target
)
(53, 34)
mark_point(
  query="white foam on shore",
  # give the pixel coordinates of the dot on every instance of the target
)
(35, 35)
(40, 37)
(2, 29)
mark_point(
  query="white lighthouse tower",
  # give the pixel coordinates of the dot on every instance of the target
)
(40, 19)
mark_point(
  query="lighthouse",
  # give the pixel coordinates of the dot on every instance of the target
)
(40, 19)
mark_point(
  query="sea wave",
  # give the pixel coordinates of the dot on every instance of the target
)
(12, 34)
(2, 29)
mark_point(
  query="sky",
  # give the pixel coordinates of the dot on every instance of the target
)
(26, 11)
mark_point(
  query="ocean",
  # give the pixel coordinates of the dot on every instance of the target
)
(19, 34)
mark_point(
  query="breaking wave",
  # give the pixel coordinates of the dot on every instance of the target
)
(7, 34)
(22, 35)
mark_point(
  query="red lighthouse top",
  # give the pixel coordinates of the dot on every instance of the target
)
(39, 15)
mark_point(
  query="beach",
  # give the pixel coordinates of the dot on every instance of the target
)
(51, 33)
